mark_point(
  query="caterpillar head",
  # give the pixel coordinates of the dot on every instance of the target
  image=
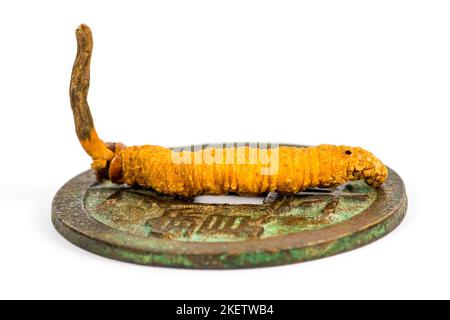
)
(363, 165)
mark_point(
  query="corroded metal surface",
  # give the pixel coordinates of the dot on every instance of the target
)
(141, 226)
(146, 213)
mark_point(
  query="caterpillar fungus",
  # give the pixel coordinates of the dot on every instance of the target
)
(154, 166)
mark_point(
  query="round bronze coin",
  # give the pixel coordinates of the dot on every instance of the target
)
(142, 226)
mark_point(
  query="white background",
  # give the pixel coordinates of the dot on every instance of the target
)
(368, 73)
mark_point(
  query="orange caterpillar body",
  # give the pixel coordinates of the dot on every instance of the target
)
(243, 170)
(297, 169)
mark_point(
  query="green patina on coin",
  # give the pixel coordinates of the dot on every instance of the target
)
(142, 226)
(146, 213)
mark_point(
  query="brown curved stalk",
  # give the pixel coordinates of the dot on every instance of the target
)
(79, 87)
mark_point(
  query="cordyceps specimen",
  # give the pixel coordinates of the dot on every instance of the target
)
(245, 170)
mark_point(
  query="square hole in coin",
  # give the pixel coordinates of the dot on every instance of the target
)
(229, 199)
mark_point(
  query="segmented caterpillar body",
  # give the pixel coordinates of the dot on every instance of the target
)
(243, 170)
